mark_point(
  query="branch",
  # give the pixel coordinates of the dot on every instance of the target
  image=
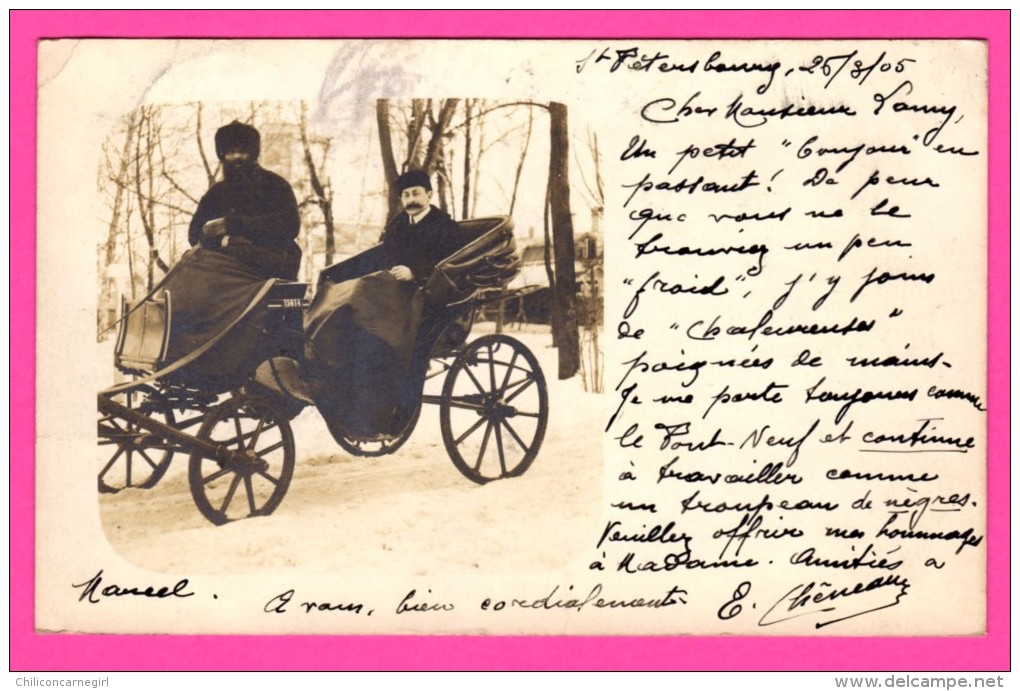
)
(210, 174)
(150, 201)
(592, 199)
(520, 164)
(173, 183)
(166, 174)
(312, 174)
(510, 104)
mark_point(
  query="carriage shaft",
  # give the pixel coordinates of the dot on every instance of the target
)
(186, 442)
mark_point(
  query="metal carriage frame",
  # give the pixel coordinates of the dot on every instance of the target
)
(493, 401)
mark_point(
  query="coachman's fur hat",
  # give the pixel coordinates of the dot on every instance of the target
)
(238, 135)
(414, 178)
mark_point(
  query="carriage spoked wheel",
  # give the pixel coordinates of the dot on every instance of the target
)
(139, 458)
(494, 409)
(255, 461)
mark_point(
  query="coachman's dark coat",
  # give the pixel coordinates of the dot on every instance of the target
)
(260, 207)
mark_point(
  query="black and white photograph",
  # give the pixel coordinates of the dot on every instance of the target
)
(372, 339)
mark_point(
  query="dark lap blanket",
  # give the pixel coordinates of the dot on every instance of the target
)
(359, 341)
(208, 291)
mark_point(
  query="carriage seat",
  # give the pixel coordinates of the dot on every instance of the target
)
(488, 261)
(144, 334)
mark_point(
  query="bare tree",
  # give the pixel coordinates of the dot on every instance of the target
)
(106, 312)
(425, 129)
(145, 145)
(592, 362)
(210, 172)
(151, 176)
(382, 117)
(481, 149)
(439, 125)
(595, 188)
(425, 125)
(468, 107)
(323, 193)
(555, 322)
(565, 311)
(128, 250)
(520, 164)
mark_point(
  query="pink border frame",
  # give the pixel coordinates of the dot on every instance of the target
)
(31, 651)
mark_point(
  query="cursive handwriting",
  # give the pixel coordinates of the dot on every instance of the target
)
(278, 605)
(567, 600)
(831, 604)
(799, 336)
(93, 594)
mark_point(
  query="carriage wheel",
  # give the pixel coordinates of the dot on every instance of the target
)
(494, 409)
(140, 459)
(256, 466)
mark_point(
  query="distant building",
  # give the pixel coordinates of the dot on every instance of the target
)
(535, 307)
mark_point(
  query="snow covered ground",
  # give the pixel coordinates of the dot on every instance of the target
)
(411, 511)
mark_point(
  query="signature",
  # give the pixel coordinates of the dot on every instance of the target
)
(92, 593)
(833, 604)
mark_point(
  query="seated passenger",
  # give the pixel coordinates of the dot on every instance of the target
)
(420, 236)
(251, 214)
(360, 333)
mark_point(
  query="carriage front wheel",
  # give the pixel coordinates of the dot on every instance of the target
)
(494, 409)
(139, 458)
(253, 470)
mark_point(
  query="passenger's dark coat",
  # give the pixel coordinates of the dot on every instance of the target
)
(259, 207)
(420, 247)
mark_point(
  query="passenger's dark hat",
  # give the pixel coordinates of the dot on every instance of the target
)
(238, 135)
(414, 178)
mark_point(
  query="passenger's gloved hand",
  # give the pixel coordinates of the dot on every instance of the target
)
(212, 231)
(402, 273)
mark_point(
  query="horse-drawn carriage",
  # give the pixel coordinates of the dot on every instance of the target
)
(219, 376)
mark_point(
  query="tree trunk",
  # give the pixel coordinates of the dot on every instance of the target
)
(434, 149)
(443, 191)
(415, 127)
(382, 118)
(475, 186)
(550, 274)
(128, 250)
(150, 225)
(466, 205)
(563, 241)
(421, 154)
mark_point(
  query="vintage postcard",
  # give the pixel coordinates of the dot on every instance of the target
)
(598, 337)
